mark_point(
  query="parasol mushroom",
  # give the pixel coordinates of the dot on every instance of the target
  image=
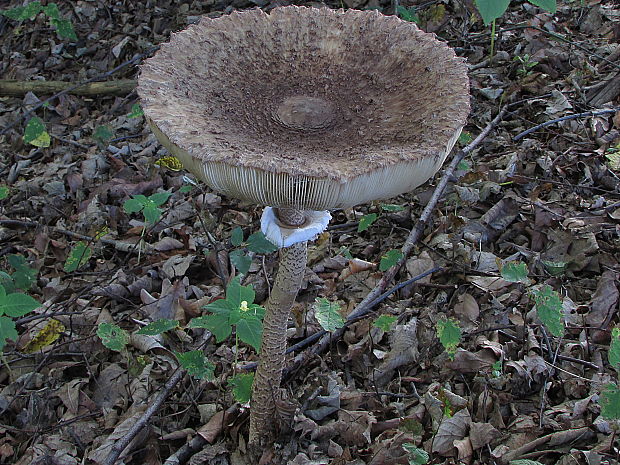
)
(303, 110)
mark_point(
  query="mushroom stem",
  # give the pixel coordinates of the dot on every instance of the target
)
(291, 217)
(266, 386)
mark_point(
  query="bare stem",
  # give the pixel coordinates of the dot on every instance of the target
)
(272, 356)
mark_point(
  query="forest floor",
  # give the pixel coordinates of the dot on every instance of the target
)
(528, 224)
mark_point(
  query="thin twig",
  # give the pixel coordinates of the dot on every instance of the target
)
(605, 111)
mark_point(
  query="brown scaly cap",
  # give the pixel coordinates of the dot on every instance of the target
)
(308, 108)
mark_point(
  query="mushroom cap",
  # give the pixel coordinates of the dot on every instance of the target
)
(308, 108)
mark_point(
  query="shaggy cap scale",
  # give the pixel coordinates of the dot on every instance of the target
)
(308, 108)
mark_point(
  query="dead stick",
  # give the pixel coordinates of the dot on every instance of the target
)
(17, 88)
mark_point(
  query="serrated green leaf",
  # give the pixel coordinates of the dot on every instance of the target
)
(548, 5)
(4, 192)
(151, 213)
(242, 386)
(250, 331)
(35, 133)
(241, 261)
(7, 331)
(17, 304)
(159, 198)
(196, 364)
(258, 243)
(614, 349)
(390, 259)
(366, 221)
(103, 135)
(51, 10)
(112, 336)
(158, 327)
(490, 10)
(549, 309)
(21, 13)
(415, 455)
(236, 293)
(514, 272)
(217, 323)
(385, 322)
(133, 205)
(610, 402)
(136, 111)
(524, 462)
(236, 237)
(78, 257)
(392, 207)
(327, 314)
(449, 333)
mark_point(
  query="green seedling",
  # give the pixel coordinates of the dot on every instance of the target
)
(4, 192)
(13, 305)
(514, 272)
(23, 276)
(63, 26)
(196, 364)
(549, 310)
(256, 243)
(389, 259)
(525, 64)
(385, 322)
(242, 387)
(78, 257)
(366, 221)
(136, 111)
(149, 206)
(408, 14)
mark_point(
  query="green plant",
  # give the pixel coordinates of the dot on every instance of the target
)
(408, 14)
(63, 26)
(79, 255)
(328, 314)
(389, 259)
(136, 111)
(13, 305)
(23, 276)
(149, 206)
(415, 455)
(242, 386)
(4, 192)
(103, 135)
(385, 322)
(236, 310)
(549, 310)
(256, 243)
(525, 64)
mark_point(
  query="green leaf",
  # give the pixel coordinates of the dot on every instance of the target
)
(554, 268)
(449, 334)
(610, 402)
(185, 189)
(51, 10)
(614, 349)
(258, 243)
(250, 331)
(366, 221)
(390, 259)
(21, 13)
(490, 10)
(24, 276)
(103, 135)
(217, 323)
(241, 261)
(464, 139)
(64, 29)
(385, 322)
(151, 213)
(158, 327)
(236, 293)
(4, 192)
(548, 5)
(196, 364)
(7, 331)
(35, 133)
(236, 237)
(392, 207)
(408, 14)
(17, 304)
(6, 284)
(159, 198)
(327, 314)
(415, 455)
(136, 111)
(549, 309)
(524, 462)
(514, 272)
(242, 386)
(78, 257)
(133, 205)
(112, 336)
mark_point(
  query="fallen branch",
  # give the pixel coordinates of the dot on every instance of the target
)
(17, 88)
(604, 111)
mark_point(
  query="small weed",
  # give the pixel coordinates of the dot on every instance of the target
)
(63, 26)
